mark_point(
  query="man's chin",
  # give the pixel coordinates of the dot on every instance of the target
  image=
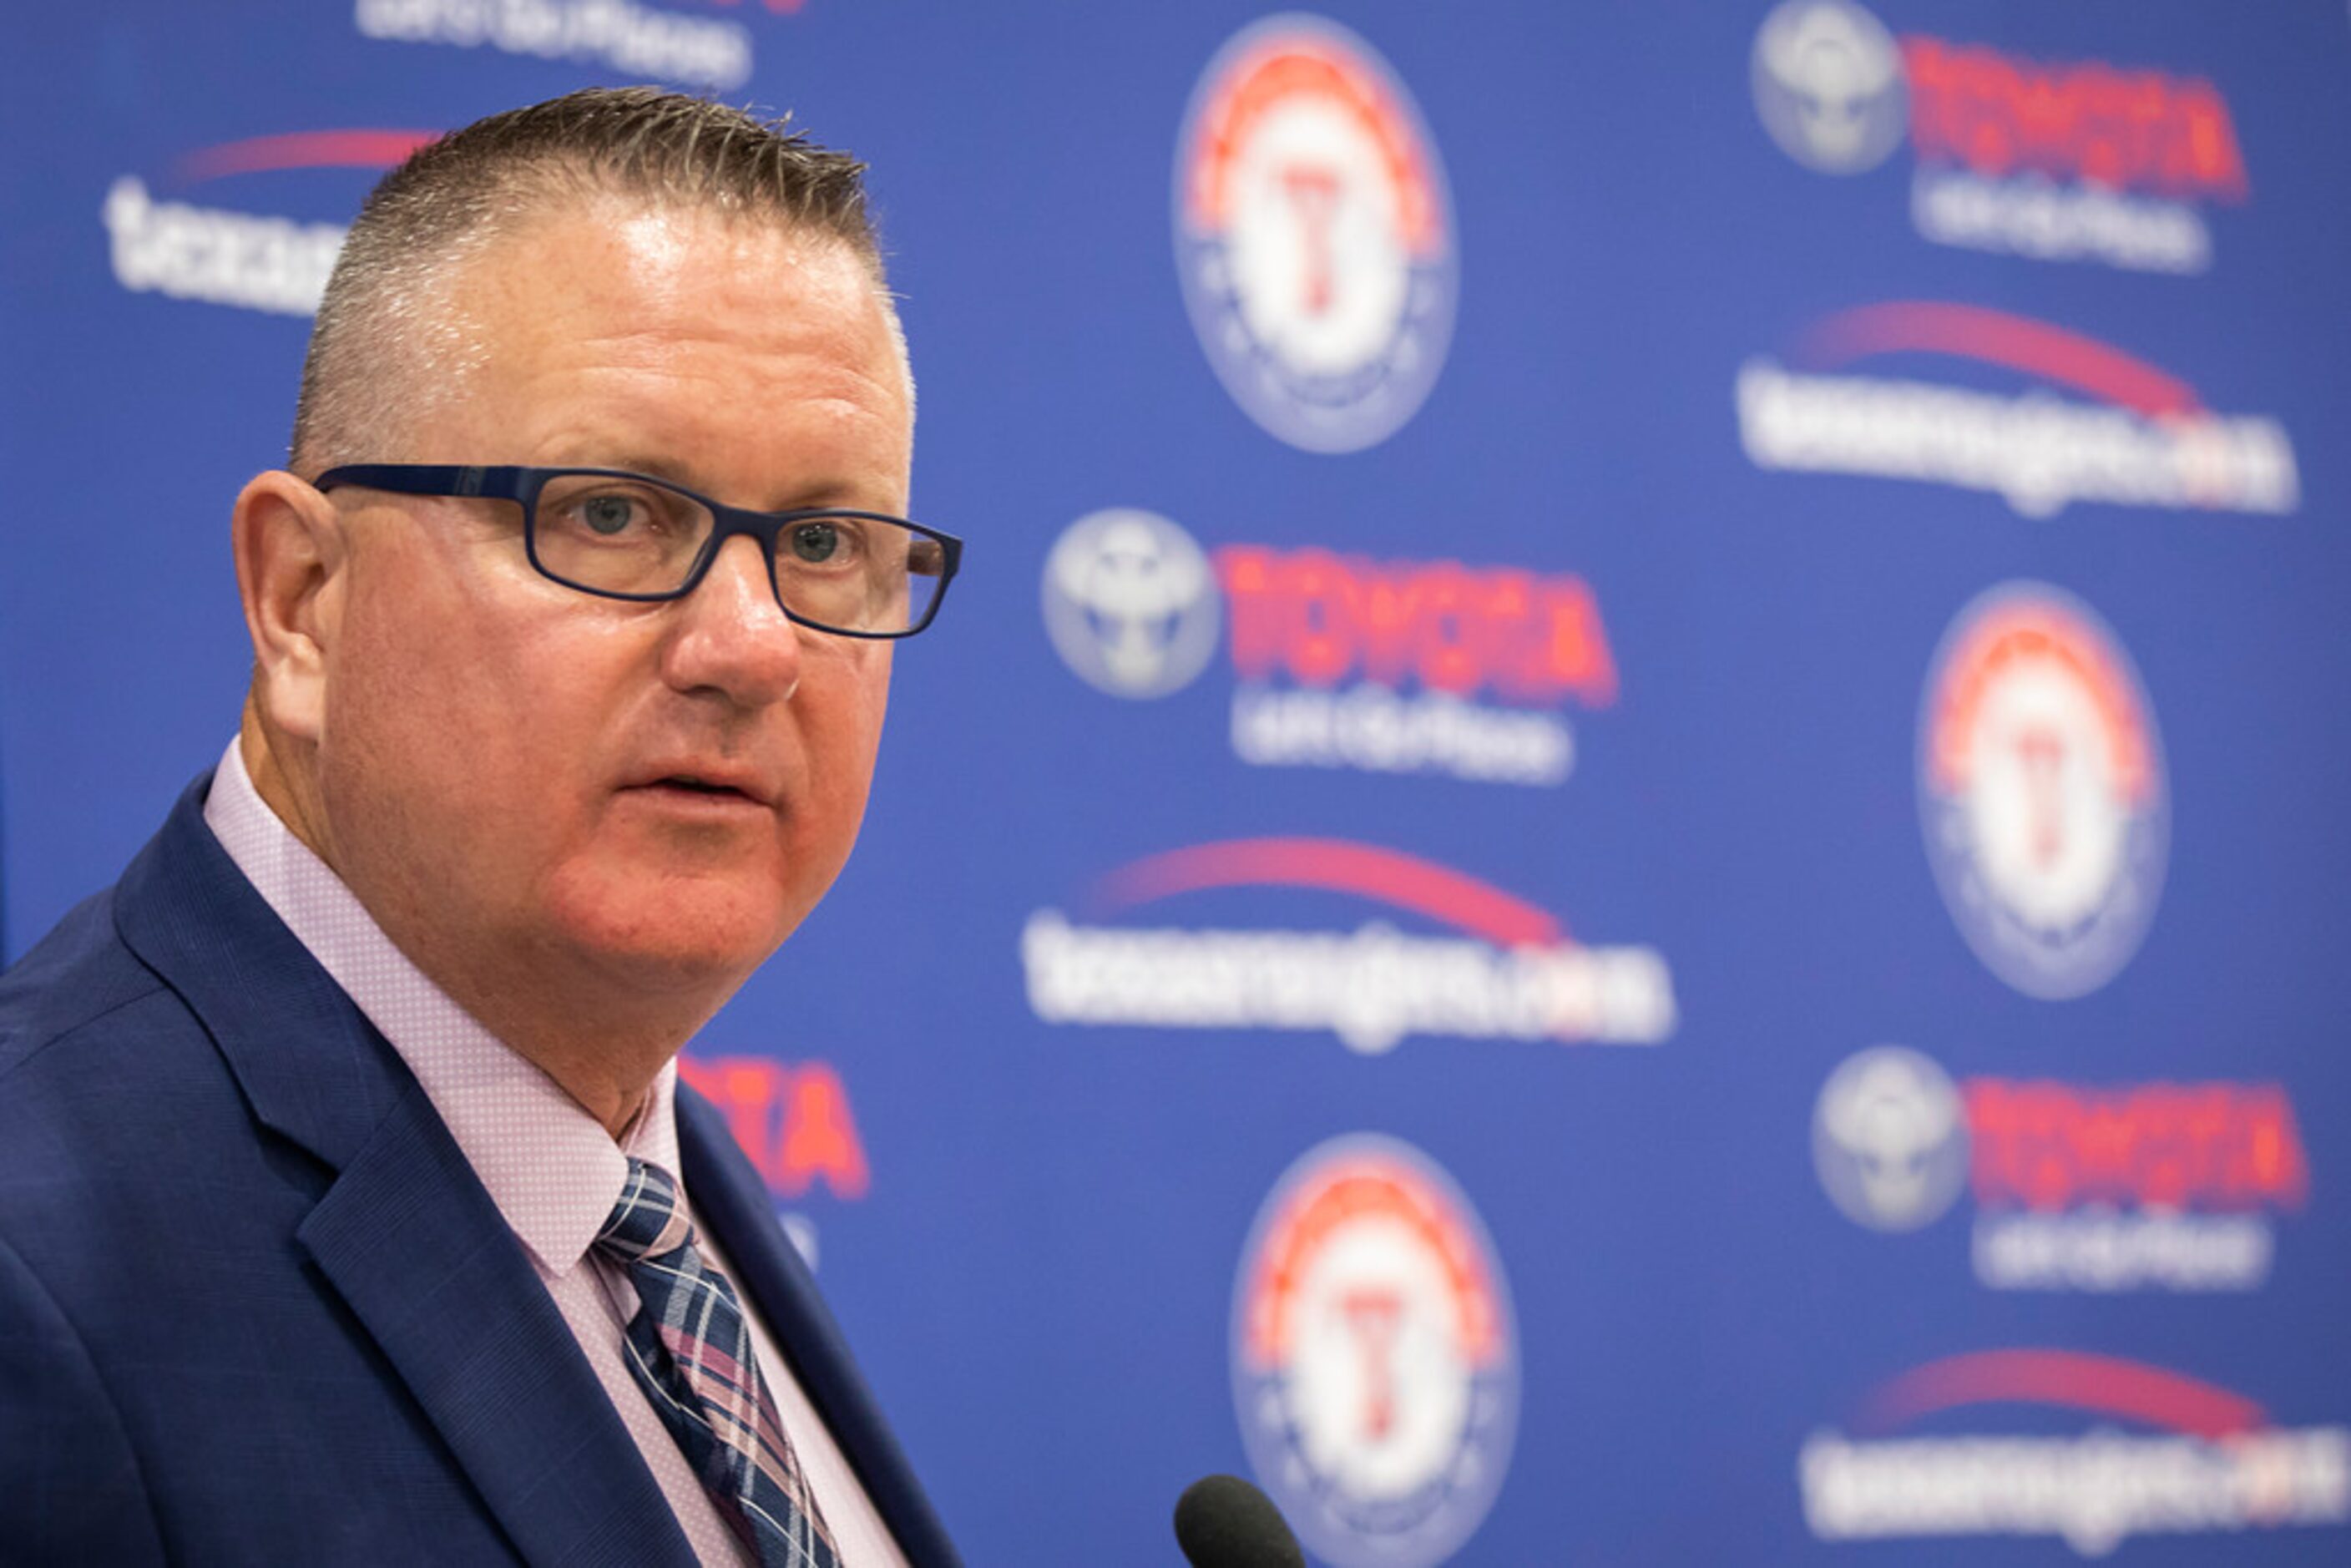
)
(673, 935)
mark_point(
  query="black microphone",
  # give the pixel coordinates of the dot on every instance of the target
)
(1222, 1522)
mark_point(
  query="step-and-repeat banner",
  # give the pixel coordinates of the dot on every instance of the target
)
(1629, 846)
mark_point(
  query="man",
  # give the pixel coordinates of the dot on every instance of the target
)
(350, 1210)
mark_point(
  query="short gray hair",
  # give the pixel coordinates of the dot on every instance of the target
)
(453, 195)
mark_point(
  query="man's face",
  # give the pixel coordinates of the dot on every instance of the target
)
(507, 764)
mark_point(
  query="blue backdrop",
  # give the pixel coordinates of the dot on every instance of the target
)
(1627, 847)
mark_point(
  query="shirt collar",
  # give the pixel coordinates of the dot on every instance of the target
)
(551, 1168)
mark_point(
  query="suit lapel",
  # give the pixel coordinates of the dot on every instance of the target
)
(421, 1255)
(729, 1197)
(406, 1233)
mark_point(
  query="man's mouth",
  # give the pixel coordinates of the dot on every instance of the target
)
(700, 787)
(718, 785)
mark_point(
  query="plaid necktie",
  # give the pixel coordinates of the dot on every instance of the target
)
(691, 1352)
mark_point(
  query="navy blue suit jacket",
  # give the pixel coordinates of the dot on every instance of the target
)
(256, 1307)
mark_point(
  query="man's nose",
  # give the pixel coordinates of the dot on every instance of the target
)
(732, 638)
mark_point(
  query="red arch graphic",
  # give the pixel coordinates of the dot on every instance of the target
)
(1336, 865)
(1995, 337)
(2103, 1384)
(301, 150)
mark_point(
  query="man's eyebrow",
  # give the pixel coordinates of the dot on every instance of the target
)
(819, 493)
(650, 465)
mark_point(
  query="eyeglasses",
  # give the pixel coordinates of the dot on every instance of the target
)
(625, 536)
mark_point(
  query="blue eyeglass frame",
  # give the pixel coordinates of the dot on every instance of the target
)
(523, 484)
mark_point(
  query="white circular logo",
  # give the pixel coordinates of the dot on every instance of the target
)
(2042, 790)
(1890, 1139)
(1374, 1355)
(1131, 603)
(1314, 234)
(1829, 85)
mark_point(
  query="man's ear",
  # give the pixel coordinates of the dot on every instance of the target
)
(291, 552)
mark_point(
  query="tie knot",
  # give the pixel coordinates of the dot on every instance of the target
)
(646, 1222)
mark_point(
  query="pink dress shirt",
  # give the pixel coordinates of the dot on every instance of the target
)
(551, 1168)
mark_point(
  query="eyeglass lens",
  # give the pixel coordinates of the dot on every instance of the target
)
(630, 536)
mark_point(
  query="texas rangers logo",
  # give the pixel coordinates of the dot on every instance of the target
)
(1375, 1359)
(1314, 234)
(2041, 789)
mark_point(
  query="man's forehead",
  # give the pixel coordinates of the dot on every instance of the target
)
(618, 244)
(648, 282)
(612, 333)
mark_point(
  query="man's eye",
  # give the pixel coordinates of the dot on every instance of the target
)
(607, 514)
(816, 542)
